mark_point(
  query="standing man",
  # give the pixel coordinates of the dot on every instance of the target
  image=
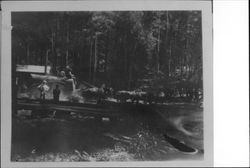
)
(161, 96)
(101, 93)
(43, 89)
(56, 93)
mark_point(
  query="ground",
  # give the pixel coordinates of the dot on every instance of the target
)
(134, 137)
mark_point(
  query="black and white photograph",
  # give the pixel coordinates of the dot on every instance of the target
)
(107, 86)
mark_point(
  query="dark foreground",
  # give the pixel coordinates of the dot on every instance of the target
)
(174, 132)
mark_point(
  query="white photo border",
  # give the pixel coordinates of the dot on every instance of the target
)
(106, 5)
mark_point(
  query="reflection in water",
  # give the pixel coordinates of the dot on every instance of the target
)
(127, 138)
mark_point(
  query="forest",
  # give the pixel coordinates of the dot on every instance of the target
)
(123, 49)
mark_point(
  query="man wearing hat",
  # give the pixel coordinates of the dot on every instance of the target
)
(43, 89)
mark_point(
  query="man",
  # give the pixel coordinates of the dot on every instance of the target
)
(70, 75)
(56, 93)
(161, 96)
(101, 93)
(68, 72)
(43, 89)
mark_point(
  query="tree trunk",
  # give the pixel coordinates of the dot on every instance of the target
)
(169, 51)
(131, 65)
(46, 60)
(95, 59)
(106, 57)
(158, 52)
(90, 61)
(53, 53)
(67, 43)
(130, 76)
(28, 54)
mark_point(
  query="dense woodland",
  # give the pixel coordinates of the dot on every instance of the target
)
(125, 50)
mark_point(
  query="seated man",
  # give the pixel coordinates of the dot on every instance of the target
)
(68, 72)
(69, 75)
(62, 74)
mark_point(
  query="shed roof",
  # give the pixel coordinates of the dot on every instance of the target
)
(39, 69)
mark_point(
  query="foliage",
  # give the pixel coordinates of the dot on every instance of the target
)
(119, 48)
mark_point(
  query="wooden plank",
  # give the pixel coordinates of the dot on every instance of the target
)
(58, 107)
(109, 109)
